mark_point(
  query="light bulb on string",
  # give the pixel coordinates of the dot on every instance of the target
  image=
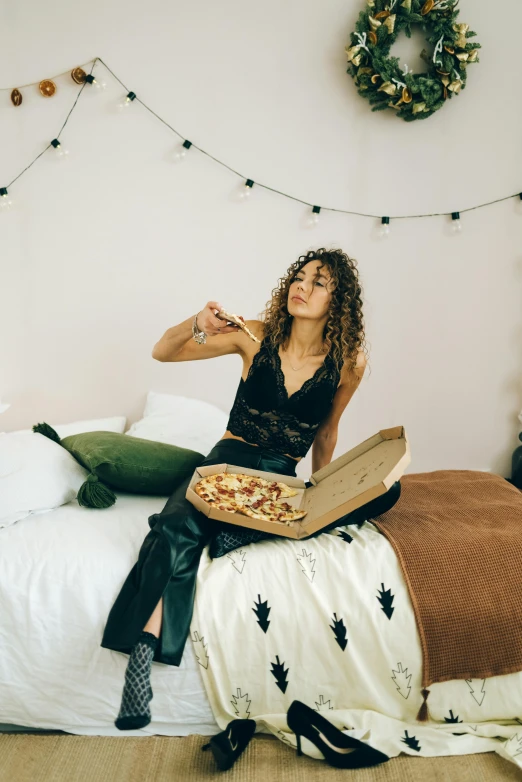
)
(384, 229)
(245, 190)
(314, 217)
(5, 200)
(456, 225)
(97, 84)
(61, 153)
(181, 151)
(125, 102)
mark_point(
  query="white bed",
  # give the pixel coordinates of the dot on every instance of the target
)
(60, 572)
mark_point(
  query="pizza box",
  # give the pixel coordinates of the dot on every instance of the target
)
(353, 479)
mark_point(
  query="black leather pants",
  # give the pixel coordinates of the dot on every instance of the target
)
(169, 557)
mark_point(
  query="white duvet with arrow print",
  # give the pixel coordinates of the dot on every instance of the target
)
(329, 621)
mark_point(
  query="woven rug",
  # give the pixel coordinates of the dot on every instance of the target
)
(64, 758)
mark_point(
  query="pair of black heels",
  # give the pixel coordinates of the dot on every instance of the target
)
(339, 750)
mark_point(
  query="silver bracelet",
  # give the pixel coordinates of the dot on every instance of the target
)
(198, 336)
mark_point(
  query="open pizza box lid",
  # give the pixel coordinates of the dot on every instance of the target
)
(353, 479)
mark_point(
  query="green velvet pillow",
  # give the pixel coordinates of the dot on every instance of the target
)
(120, 461)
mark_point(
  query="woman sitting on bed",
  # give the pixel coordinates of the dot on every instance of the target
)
(295, 384)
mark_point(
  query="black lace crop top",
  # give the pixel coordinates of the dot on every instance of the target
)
(264, 414)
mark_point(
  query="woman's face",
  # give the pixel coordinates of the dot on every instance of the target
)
(310, 292)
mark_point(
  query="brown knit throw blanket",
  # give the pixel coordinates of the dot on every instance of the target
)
(458, 537)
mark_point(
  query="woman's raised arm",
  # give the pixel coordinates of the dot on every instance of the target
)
(177, 343)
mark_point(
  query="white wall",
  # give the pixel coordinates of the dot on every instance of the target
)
(108, 250)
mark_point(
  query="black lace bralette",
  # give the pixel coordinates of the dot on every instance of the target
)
(264, 414)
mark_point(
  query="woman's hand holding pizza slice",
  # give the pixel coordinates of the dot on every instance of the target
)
(208, 321)
(238, 320)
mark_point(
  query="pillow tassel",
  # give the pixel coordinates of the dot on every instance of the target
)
(94, 494)
(423, 713)
(47, 431)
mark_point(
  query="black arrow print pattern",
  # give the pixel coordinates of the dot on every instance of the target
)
(411, 741)
(279, 673)
(339, 631)
(262, 610)
(386, 599)
(344, 536)
(451, 718)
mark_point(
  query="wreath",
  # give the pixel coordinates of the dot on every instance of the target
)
(379, 77)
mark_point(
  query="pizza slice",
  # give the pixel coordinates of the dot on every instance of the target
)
(258, 513)
(272, 489)
(270, 511)
(230, 505)
(238, 320)
(291, 515)
(279, 489)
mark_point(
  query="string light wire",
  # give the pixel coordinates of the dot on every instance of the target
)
(225, 165)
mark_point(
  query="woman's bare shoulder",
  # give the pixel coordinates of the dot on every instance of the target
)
(354, 374)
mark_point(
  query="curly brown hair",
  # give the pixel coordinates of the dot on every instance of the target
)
(344, 330)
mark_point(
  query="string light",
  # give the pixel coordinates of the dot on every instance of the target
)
(384, 230)
(99, 85)
(246, 190)
(125, 102)
(5, 200)
(181, 151)
(180, 155)
(61, 153)
(314, 217)
(456, 224)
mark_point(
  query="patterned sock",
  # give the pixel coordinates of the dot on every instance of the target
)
(137, 692)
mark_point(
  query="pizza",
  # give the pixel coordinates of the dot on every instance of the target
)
(238, 320)
(249, 495)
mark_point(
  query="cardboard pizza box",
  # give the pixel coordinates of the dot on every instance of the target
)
(353, 479)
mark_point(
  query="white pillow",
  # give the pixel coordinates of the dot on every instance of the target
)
(37, 474)
(178, 420)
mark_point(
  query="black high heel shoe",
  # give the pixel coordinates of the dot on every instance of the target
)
(338, 749)
(228, 745)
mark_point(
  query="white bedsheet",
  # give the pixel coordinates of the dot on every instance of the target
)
(60, 572)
